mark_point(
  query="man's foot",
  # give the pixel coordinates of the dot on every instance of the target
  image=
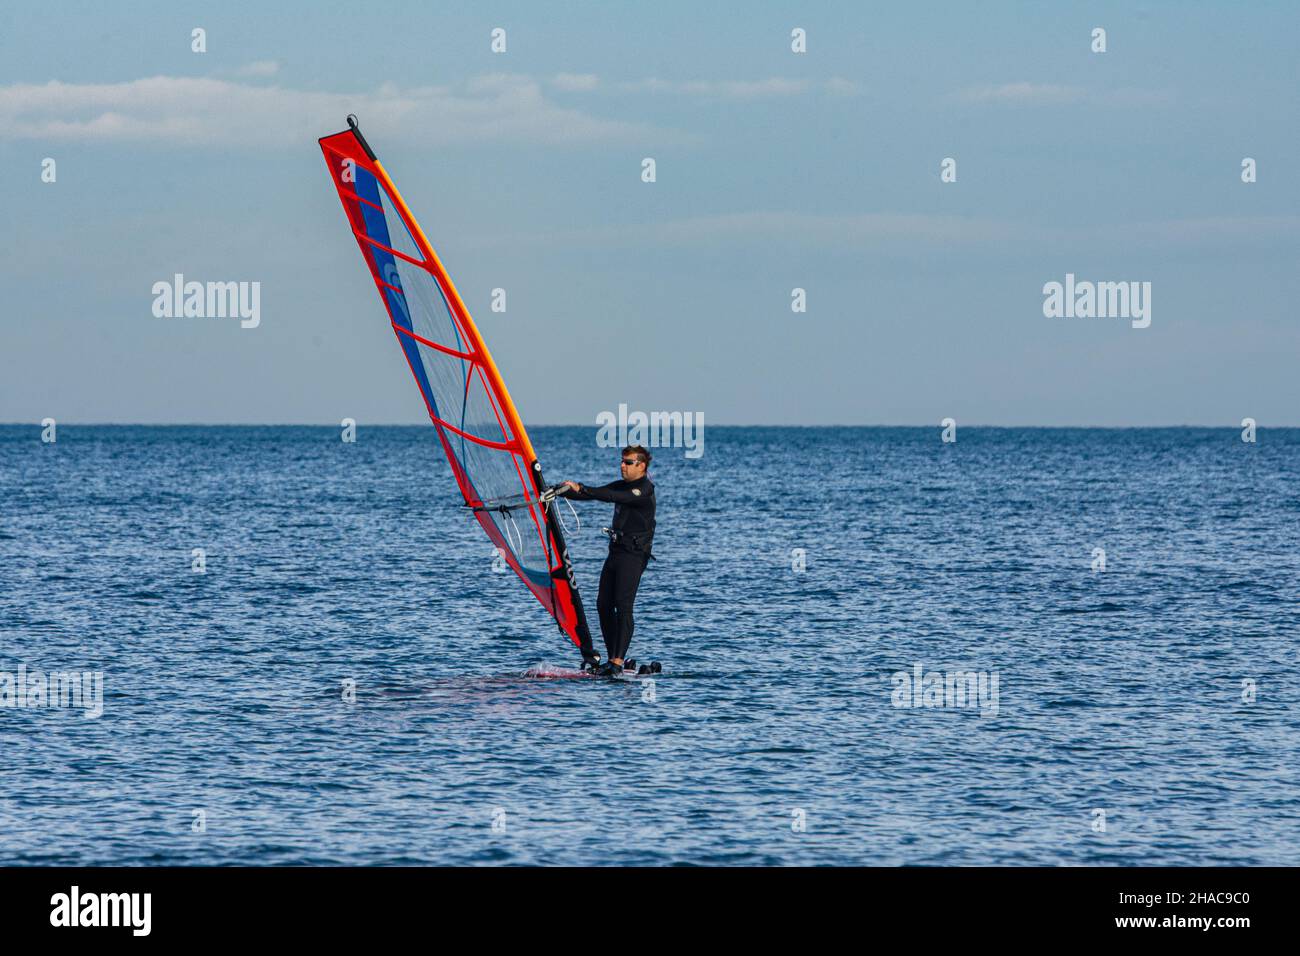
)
(609, 669)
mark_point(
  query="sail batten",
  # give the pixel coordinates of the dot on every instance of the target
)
(477, 423)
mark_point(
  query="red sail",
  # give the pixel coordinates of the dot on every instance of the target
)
(491, 457)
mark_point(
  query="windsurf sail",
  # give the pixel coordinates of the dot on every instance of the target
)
(495, 467)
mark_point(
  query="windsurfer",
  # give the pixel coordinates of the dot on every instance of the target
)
(630, 537)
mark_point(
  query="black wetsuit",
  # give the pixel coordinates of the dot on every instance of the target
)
(633, 530)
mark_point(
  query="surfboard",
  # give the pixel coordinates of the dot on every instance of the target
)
(547, 672)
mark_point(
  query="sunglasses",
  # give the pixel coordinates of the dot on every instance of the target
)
(631, 461)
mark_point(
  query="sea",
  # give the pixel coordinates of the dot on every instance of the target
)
(1027, 646)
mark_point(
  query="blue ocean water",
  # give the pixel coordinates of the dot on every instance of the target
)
(1144, 713)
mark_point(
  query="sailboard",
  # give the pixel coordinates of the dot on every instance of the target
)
(478, 426)
(548, 672)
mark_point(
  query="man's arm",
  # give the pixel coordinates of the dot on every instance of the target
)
(618, 496)
(573, 490)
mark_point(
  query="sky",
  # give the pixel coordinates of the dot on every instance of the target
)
(775, 171)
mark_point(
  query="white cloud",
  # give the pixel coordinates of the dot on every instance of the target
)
(259, 68)
(842, 87)
(1208, 230)
(736, 89)
(207, 111)
(575, 82)
(1046, 94)
(1023, 93)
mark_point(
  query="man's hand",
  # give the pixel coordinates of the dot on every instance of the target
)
(573, 484)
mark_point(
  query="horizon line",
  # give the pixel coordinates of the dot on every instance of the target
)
(83, 424)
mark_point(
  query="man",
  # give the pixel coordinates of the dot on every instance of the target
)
(630, 536)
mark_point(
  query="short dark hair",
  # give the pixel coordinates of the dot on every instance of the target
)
(638, 450)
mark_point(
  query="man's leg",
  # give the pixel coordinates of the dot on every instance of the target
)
(605, 607)
(630, 568)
